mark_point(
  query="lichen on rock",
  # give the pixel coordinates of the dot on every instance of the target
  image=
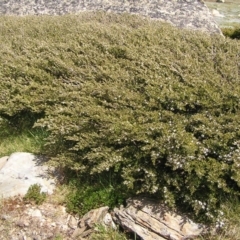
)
(192, 14)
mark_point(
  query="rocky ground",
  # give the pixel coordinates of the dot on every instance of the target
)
(20, 220)
(26, 174)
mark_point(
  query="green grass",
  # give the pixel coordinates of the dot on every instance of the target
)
(103, 233)
(87, 192)
(27, 140)
(231, 223)
(231, 213)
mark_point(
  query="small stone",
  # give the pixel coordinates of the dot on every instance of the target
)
(53, 224)
(107, 220)
(63, 209)
(35, 213)
(23, 222)
(50, 235)
(217, 13)
(72, 223)
(26, 224)
(5, 217)
(78, 232)
(20, 224)
(37, 237)
(94, 216)
(64, 227)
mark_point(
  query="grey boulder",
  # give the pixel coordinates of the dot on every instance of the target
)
(21, 170)
(3, 161)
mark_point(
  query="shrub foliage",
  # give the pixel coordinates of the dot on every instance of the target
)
(233, 33)
(34, 194)
(158, 106)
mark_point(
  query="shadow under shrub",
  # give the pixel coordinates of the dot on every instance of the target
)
(157, 106)
(90, 192)
(233, 33)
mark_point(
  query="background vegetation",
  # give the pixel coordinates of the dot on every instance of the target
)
(233, 32)
(128, 106)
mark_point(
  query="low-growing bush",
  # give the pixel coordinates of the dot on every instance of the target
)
(233, 33)
(87, 193)
(156, 106)
(35, 195)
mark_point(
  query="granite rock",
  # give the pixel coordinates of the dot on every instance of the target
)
(151, 220)
(20, 171)
(191, 14)
(3, 161)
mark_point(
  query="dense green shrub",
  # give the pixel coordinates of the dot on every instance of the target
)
(34, 194)
(155, 105)
(233, 33)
